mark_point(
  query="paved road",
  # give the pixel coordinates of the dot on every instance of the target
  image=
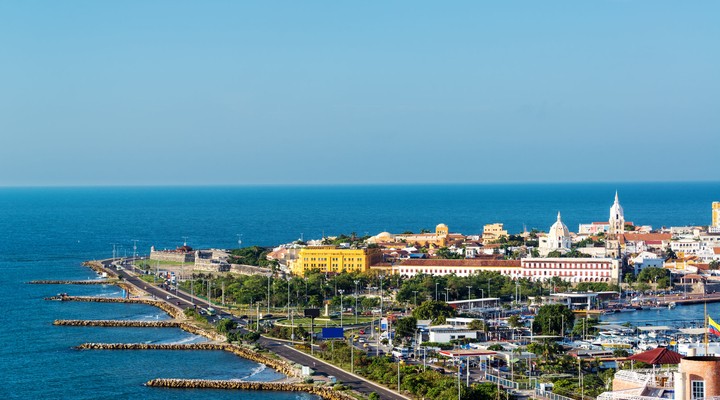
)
(321, 368)
(275, 346)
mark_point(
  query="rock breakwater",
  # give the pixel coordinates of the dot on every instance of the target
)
(118, 324)
(324, 392)
(279, 365)
(171, 310)
(82, 282)
(98, 267)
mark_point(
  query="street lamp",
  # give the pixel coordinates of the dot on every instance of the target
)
(436, 290)
(341, 306)
(356, 300)
(447, 294)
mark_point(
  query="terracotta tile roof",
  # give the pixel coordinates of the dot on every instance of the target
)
(646, 237)
(468, 262)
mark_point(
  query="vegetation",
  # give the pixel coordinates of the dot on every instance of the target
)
(253, 255)
(552, 319)
(436, 311)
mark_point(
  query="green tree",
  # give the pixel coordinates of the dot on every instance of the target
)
(225, 325)
(551, 318)
(406, 327)
(434, 310)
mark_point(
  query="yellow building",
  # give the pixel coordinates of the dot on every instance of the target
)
(333, 259)
(716, 214)
(437, 239)
(492, 232)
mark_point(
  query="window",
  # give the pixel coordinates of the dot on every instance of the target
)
(697, 390)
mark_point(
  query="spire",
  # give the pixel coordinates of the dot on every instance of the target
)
(558, 216)
(616, 197)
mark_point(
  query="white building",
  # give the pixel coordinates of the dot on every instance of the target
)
(557, 239)
(647, 259)
(446, 333)
(571, 269)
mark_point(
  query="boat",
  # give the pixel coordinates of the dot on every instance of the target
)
(671, 305)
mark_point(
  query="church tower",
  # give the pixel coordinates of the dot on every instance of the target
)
(617, 218)
(617, 228)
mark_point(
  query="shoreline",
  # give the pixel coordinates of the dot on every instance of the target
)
(280, 365)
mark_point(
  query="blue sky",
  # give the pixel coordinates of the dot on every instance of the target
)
(231, 92)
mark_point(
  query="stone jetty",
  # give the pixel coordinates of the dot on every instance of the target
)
(98, 267)
(279, 365)
(118, 324)
(172, 311)
(83, 282)
(150, 346)
(324, 392)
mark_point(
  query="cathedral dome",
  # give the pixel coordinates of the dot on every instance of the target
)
(558, 229)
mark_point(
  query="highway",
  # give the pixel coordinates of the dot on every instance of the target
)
(276, 346)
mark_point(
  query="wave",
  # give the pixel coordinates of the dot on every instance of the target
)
(260, 368)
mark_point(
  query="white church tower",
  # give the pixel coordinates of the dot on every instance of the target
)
(617, 229)
(617, 218)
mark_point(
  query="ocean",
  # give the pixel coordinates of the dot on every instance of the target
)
(48, 232)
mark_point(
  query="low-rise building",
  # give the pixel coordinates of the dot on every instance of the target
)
(446, 333)
(492, 232)
(334, 259)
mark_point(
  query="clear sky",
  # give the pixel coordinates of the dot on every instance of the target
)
(241, 92)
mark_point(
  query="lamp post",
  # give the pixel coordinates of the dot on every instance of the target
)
(436, 290)
(469, 293)
(381, 276)
(447, 294)
(288, 304)
(356, 300)
(268, 302)
(341, 305)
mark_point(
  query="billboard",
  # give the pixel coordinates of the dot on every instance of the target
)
(312, 312)
(333, 333)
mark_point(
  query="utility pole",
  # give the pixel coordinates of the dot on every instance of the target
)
(268, 299)
(341, 306)
(356, 300)
(134, 248)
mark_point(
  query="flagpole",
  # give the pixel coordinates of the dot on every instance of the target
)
(706, 330)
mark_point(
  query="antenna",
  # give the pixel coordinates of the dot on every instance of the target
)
(185, 238)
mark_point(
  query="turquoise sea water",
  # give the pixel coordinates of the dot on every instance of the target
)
(48, 232)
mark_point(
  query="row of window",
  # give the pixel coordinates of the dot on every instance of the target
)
(568, 265)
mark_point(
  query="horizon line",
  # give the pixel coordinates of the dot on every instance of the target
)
(340, 184)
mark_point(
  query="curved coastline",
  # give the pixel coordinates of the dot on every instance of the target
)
(280, 365)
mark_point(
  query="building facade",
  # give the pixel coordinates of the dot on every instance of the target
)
(574, 270)
(492, 232)
(333, 259)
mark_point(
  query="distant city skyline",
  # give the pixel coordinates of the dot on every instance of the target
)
(248, 93)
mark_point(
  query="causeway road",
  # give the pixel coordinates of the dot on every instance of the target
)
(276, 346)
